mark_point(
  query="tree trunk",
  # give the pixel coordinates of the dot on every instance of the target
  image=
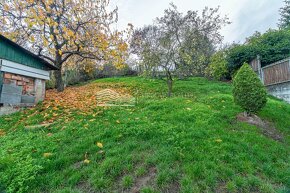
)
(170, 85)
(58, 74)
(169, 82)
(58, 80)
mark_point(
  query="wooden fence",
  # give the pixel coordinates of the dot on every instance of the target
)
(276, 73)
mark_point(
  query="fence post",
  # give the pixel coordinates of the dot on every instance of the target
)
(260, 69)
(289, 69)
(1, 78)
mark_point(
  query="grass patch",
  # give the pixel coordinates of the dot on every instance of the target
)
(191, 142)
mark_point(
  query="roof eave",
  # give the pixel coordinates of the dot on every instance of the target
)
(43, 61)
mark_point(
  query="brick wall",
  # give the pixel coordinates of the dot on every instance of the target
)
(27, 83)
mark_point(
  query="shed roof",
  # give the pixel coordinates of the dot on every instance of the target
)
(40, 60)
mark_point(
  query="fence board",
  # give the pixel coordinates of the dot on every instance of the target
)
(277, 73)
(255, 64)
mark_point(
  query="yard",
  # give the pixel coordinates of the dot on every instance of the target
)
(191, 142)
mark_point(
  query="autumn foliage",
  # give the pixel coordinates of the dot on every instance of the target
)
(82, 98)
(61, 31)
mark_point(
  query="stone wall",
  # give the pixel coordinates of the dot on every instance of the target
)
(281, 91)
(39, 90)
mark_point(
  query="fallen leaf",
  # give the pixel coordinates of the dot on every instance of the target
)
(2, 132)
(86, 161)
(100, 145)
(47, 155)
(219, 140)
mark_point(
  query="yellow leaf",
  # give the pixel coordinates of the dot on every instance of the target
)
(2, 132)
(46, 155)
(100, 145)
(6, 7)
(219, 140)
(32, 39)
(86, 161)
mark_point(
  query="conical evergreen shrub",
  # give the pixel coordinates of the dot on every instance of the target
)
(249, 92)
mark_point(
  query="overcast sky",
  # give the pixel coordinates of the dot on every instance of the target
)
(247, 16)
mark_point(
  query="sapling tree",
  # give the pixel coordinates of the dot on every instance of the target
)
(178, 44)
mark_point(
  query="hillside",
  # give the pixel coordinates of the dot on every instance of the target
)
(191, 142)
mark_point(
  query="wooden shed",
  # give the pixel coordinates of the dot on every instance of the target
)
(22, 75)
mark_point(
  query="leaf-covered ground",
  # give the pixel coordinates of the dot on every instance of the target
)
(191, 142)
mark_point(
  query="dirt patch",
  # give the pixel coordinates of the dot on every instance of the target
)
(267, 128)
(144, 180)
(84, 186)
(172, 188)
(78, 165)
(221, 187)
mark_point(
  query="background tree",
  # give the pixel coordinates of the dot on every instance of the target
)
(157, 51)
(218, 67)
(272, 46)
(178, 44)
(238, 55)
(285, 15)
(60, 29)
(196, 35)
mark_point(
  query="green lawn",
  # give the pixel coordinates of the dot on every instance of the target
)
(188, 143)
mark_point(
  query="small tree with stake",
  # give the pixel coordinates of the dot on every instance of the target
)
(249, 92)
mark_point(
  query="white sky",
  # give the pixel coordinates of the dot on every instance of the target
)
(247, 16)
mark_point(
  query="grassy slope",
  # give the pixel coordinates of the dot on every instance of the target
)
(188, 143)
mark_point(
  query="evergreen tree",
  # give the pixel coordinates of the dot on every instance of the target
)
(249, 92)
(285, 16)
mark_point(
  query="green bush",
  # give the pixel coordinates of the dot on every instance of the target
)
(272, 46)
(249, 92)
(218, 67)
